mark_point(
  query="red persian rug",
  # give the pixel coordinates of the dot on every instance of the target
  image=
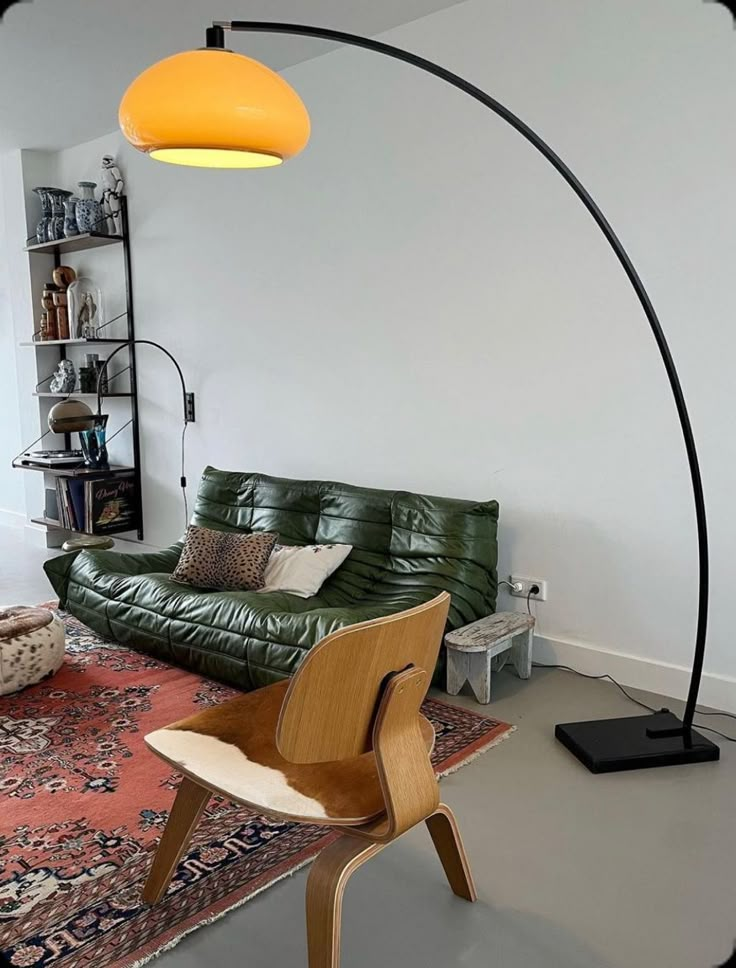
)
(83, 803)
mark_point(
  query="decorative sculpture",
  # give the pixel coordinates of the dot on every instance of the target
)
(112, 190)
(85, 308)
(49, 326)
(65, 378)
(63, 277)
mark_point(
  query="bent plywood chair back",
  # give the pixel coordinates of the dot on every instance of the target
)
(330, 708)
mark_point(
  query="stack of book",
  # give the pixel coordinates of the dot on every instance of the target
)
(102, 506)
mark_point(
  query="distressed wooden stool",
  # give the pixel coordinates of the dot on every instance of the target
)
(472, 649)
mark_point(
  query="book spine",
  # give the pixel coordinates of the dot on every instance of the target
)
(60, 502)
(70, 505)
(88, 507)
(69, 517)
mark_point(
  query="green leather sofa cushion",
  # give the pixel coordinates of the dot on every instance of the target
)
(406, 549)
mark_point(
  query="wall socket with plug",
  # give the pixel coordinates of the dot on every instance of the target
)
(520, 588)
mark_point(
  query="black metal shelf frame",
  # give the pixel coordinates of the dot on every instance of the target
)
(81, 244)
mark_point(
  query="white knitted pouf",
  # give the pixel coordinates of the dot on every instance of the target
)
(31, 646)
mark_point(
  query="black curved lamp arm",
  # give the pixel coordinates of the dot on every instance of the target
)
(142, 342)
(215, 38)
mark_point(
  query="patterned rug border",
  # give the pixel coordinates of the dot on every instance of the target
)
(219, 910)
(170, 938)
(223, 907)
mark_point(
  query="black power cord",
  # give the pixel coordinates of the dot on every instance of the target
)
(534, 590)
(586, 675)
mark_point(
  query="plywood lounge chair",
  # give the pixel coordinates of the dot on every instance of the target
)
(343, 744)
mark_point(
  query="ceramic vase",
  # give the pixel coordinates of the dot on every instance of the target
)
(88, 209)
(43, 222)
(55, 229)
(70, 216)
(94, 445)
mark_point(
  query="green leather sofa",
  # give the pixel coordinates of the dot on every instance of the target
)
(406, 549)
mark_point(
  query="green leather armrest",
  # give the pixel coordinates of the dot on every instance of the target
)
(113, 562)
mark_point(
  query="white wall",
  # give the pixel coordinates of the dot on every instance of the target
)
(19, 172)
(11, 487)
(419, 301)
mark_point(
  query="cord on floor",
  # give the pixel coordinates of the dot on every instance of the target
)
(586, 675)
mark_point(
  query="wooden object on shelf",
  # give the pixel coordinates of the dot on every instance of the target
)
(472, 651)
(51, 329)
(349, 726)
(62, 314)
(63, 277)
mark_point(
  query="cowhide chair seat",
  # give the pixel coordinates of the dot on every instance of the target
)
(231, 749)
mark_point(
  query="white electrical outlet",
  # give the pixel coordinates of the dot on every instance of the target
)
(520, 588)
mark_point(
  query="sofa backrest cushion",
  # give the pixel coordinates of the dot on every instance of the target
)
(400, 540)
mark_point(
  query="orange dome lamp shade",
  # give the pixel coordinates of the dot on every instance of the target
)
(214, 108)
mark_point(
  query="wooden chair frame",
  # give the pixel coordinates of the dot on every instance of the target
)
(408, 783)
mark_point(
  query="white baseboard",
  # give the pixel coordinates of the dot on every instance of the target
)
(664, 678)
(39, 536)
(12, 519)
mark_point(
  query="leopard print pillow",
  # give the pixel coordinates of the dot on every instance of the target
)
(226, 560)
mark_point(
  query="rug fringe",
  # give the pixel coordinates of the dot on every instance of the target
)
(216, 917)
(476, 753)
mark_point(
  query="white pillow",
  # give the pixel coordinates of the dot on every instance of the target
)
(302, 570)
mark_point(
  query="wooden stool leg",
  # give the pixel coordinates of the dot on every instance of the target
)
(521, 653)
(457, 671)
(325, 888)
(188, 806)
(479, 675)
(448, 843)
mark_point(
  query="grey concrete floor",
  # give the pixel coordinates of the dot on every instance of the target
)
(573, 871)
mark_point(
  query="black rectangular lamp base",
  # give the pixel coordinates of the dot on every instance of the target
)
(611, 745)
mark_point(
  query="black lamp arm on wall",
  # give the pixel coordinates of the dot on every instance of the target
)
(187, 398)
(617, 744)
(187, 403)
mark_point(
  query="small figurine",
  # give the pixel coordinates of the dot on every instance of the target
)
(112, 190)
(62, 314)
(65, 378)
(87, 314)
(42, 333)
(63, 277)
(85, 308)
(47, 301)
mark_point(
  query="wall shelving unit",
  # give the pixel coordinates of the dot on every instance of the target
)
(83, 243)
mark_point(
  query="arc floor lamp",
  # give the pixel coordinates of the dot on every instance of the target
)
(215, 108)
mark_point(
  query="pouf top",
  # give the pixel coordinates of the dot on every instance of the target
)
(22, 619)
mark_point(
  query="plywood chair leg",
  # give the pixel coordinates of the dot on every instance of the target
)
(325, 888)
(188, 806)
(448, 843)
